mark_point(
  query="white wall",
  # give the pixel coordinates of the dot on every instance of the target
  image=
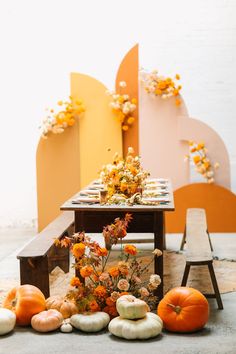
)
(41, 42)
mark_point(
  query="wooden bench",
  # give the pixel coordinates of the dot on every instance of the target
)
(199, 249)
(40, 256)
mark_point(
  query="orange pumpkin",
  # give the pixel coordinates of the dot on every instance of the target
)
(66, 307)
(183, 310)
(47, 321)
(25, 301)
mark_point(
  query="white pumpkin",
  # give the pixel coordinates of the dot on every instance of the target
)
(7, 321)
(128, 306)
(66, 327)
(90, 321)
(144, 328)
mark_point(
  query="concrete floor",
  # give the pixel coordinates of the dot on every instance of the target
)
(219, 336)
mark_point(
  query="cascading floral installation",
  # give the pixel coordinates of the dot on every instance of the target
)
(198, 154)
(161, 86)
(56, 123)
(98, 284)
(124, 176)
(123, 106)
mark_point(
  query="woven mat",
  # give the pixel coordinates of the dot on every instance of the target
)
(174, 263)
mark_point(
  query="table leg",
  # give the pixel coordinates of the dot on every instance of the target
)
(159, 235)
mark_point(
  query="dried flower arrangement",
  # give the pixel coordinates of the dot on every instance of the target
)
(123, 106)
(98, 285)
(203, 165)
(56, 123)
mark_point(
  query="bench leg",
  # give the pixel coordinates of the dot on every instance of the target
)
(59, 256)
(215, 286)
(183, 240)
(209, 238)
(35, 272)
(185, 276)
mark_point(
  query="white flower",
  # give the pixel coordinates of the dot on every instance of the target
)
(155, 279)
(130, 150)
(122, 84)
(210, 174)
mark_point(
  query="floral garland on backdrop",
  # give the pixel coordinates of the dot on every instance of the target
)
(99, 285)
(56, 123)
(161, 86)
(203, 165)
(123, 106)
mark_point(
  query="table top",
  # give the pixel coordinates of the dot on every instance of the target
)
(74, 204)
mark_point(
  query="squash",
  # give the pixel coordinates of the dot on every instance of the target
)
(144, 328)
(128, 306)
(47, 321)
(183, 309)
(90, 321)
(25, 301)
(7, 321)
(66, 327)
(66, 307)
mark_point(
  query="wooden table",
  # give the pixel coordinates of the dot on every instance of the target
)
(146, 219)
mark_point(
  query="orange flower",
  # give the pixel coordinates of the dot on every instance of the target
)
(94, 306)
(130, 249)
(102, 252)
(123, 267)
(95, 277)
(200, 146)
(109, 301)
(125, 128)
(177, 102)
(78, 250)
(177, 76)
(86, 271)
(111, 310)
(196, 159)
(114, 271)
(193, 149)
(75, 281)
(124, 293)
(100, 291)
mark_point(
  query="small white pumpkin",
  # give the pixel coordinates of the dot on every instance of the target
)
(128, 306)
(144, 328)
(66, 327)
(7, 321)
(90, 321)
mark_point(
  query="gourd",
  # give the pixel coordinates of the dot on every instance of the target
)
(66, 307)
(144, 328)
(25, 301)
(128, 306)
(90, 321)
(7, 321)
(183, 309)
(47, 321)
(66, 327)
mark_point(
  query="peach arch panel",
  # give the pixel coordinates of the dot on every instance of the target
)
(219, 203)
(193, 129)
(161, 149)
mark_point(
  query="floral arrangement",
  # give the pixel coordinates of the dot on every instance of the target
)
(161, 86)
(124, 176)
(123, 106)
(198, 154)
(56, 123)
(98, 285)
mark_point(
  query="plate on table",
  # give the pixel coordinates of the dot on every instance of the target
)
(157, 199)
(90, 192)
(155, 192)
(96, 186)
(85, 199)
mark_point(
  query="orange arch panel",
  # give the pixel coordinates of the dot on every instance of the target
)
(219, 203)
(128, 71)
